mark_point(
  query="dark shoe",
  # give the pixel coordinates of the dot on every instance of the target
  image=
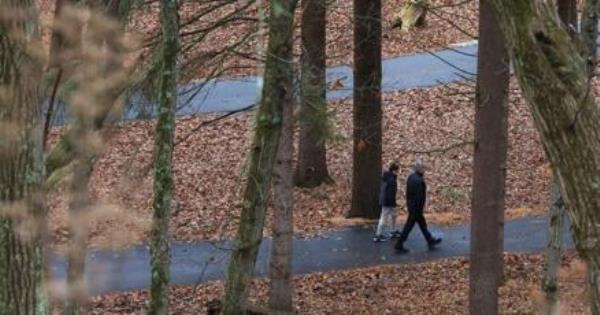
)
(433, 242)
(379, 239)
(395, 234)
(401, 250)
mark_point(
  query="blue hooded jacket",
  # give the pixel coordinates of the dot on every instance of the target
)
(389, 187)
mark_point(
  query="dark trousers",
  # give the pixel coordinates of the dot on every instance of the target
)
(414, 217)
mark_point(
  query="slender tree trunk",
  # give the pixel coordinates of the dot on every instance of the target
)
(280, 270)
(163, 156)
(554, 80)
(366, 163)
(312, 170)
(21, 164)
(552, 263)
(276, 92)
(489, 166)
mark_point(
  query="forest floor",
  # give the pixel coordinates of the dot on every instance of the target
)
(433, 123)
(439, 287)
(231, 49)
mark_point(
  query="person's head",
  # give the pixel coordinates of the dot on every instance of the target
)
(419, 167)
(394, 167)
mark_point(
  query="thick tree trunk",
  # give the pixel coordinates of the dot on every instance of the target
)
(489, 166)
(552, 263)
(21, 164)
(366, 162)
(554, 80)
(567, 11)
(276, 92)
(163, 156)
(312, 170)
(280, 267)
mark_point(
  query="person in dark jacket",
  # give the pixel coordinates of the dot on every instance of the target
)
(387, 200)
(416, 197)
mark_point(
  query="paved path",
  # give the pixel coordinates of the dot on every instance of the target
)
(399, 73)
(194, 262)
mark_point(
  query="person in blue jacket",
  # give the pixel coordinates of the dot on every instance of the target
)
(386, 227)
(416, 197)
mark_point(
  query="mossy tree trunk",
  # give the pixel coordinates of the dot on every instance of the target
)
(311, 170)
(280, 264)
(554, 80)
(163, 155)
(21, 164)
(567, 11)
(276, 92)
(489, 166)
(367, 114)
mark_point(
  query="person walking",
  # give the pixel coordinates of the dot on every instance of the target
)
(386, 227)
(416, 195)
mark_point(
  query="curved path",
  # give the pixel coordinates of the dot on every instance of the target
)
(195, 262)
(399, 73)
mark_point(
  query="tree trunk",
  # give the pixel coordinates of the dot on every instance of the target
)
(280, 270)
(366, 166)
(567, 11)
(489, 166)
(277, 90)
(21, 164)
(552, 263)
(163, 156)
(312, 170)
(554, 80)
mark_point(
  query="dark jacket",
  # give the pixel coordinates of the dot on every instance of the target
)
(416, 192)
(389, 187)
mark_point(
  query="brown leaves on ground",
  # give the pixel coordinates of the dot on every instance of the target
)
(439, 287)
(216, 39)
(209, 170)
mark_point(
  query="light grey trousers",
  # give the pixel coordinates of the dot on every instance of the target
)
(387, 221)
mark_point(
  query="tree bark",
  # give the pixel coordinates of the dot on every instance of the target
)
(22, 223)
(552, 263)
(489, 166)
(367, 113)
(312, 170)
(554, 80)
(567, 11)
(276, 92)
(163, 156)
(280, 268)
